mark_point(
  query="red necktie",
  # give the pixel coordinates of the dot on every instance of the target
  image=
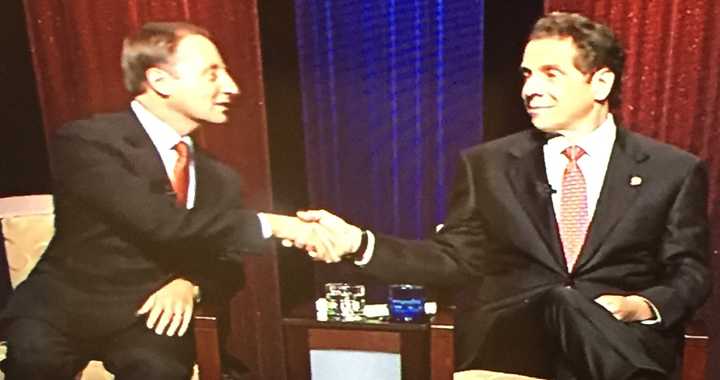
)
(181, 173)
(574, 219)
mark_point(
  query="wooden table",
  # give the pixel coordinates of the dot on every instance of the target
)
(425, 348)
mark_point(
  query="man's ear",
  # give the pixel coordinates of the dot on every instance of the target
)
(159, 81)
(602, 82)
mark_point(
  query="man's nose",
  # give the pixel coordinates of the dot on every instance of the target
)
(228, 84)
(532, 86)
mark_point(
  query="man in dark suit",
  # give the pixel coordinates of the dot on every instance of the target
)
(581, 247)
(141, 216)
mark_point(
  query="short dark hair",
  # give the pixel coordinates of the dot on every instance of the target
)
(596, 45)
(152, 45)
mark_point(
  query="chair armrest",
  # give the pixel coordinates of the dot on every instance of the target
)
(696, 328)
(442, 346)
(207, 341)
(695, 351)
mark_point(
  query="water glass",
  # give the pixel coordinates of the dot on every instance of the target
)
(345, 302)
(406, 302)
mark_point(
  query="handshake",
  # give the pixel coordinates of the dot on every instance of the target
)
(323, 235)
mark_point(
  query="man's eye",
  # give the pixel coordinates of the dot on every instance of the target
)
(552, 74)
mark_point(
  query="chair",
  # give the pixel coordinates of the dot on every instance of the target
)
(28, 225)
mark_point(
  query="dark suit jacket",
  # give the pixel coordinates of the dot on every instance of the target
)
(119, 236)
(500, 240)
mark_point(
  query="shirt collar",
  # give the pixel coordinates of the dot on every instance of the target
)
(597, 143)
(163, 136)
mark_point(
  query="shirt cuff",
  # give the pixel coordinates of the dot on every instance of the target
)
(367, 255)
(197, 294)
(264, 226)
(656, 313)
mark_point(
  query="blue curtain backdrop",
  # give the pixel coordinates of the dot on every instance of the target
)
(392, 91)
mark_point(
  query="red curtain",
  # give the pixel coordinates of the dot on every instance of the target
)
(671, 88)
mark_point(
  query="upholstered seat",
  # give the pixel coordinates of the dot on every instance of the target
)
(28, 225)
(489, 375)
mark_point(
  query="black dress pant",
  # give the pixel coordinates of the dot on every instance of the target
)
(565, 336)
(38, 351)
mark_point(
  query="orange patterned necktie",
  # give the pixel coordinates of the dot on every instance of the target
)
(574, 218)
(181, 173)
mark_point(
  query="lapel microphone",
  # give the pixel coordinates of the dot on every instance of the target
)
(545, 188)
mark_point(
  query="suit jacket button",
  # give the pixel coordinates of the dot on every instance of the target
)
(569, 283)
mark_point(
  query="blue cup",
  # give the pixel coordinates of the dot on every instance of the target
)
(406, 302)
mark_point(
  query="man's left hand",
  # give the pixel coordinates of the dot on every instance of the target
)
(626, 308)
(170, 307)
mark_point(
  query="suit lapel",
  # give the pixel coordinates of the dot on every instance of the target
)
(620, 189)
(144, 156)
(528, 178)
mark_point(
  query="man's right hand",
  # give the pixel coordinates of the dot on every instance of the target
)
(345, 237)
(170, 307)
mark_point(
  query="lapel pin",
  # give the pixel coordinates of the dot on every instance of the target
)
(635, 181)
